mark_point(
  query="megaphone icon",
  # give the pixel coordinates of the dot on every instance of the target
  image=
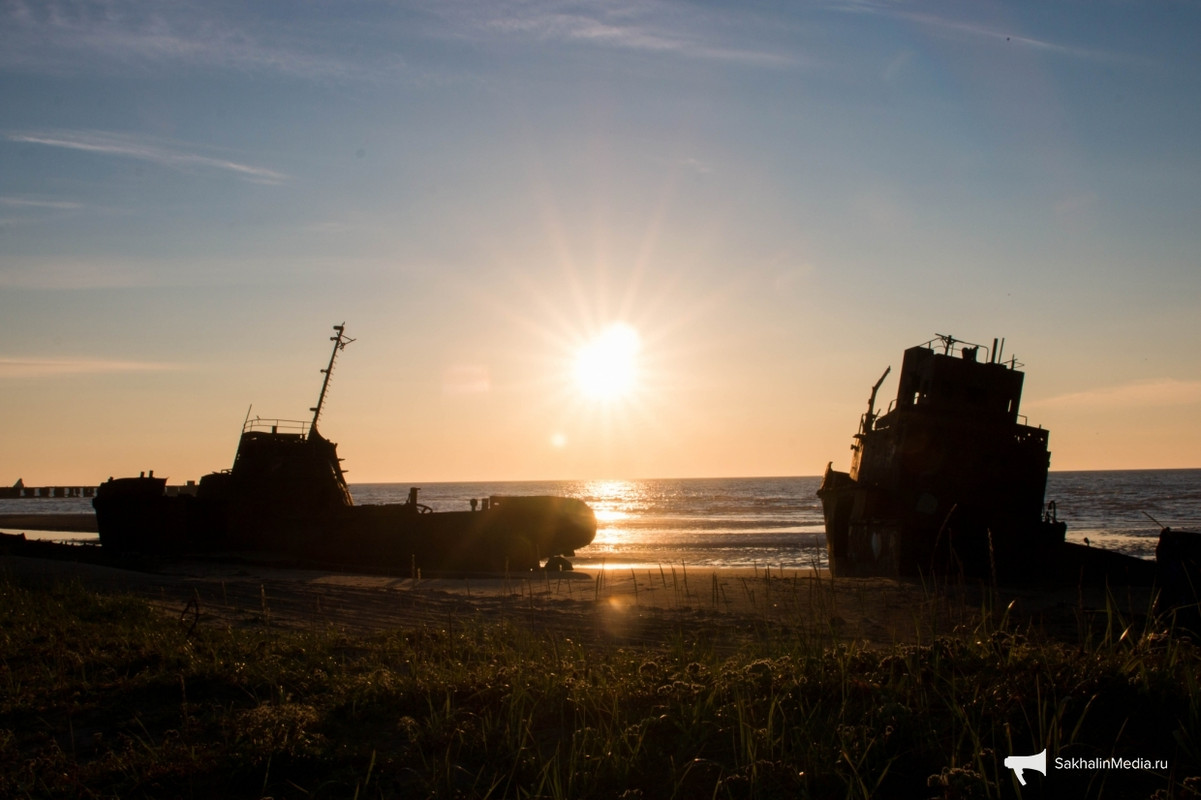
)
(1038, 763)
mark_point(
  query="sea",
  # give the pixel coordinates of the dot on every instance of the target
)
(773, 523)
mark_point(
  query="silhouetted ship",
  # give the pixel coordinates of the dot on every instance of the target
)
(950, 479)
(286, 498)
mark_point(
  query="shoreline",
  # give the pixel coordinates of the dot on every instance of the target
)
(49, 523)
(644, 606)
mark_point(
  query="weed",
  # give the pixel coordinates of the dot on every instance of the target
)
(104, 696)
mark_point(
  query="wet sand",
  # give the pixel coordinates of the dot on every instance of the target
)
(85, 523)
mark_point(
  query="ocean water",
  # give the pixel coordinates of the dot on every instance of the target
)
(776, 522)
(697, 521)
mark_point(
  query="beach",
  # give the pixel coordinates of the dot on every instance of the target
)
(600, 600)
(637, 606)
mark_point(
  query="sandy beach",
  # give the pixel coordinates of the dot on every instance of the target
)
(641, 604)
(624, 605)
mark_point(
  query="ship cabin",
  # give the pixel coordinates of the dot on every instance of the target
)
(283, 462)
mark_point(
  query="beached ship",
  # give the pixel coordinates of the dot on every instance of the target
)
(286, 499)
(950, 479)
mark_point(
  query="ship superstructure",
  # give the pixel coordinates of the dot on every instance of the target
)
(948, 478)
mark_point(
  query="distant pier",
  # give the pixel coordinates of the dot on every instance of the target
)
(20, 490)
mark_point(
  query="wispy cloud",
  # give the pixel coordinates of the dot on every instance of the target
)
(973, 29)
(24, 202)
(75, 36)
(1140, 394)
(309, 42)
(55, 367)
(665, 28)
(141, 149)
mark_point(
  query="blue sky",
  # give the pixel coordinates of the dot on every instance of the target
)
(779, 198)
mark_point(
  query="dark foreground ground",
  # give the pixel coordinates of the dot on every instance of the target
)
(200, 679)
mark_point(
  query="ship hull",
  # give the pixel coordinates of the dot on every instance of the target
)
(870, 532)
(512, 534)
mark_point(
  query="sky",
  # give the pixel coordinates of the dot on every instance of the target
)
(734, 216)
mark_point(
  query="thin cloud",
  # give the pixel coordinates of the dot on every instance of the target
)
(74, 37)
(1141, 394)
(977, 31)
(651, 28)
(124, 36)
(57, 367)
(22, 202)
(974, 30)
(123, 146)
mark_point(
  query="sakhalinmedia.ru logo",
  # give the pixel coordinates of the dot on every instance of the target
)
(1110, 763)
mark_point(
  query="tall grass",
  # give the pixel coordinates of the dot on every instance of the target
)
(102, 696)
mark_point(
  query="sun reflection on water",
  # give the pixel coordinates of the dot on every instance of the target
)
(610, 489)
(612, 501)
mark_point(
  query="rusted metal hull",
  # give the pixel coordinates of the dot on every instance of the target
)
(874, 531)
(950, 481)
(513, 534)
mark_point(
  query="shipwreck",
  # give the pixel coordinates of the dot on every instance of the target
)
(950, 479)
(286, 499)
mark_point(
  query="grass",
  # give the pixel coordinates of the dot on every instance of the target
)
(105, 696)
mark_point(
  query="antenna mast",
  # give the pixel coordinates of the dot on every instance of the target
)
(340, 341)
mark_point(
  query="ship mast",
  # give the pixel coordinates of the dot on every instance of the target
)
(868, 419)
(340, 341)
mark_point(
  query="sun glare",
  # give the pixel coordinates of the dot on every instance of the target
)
(606, 368)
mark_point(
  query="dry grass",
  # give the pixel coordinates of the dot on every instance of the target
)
(749, 686)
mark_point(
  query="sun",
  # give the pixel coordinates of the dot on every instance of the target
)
(606, 368)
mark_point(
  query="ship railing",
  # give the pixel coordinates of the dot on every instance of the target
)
(954, 347)
(951, 346)
(1026, 435)
(292, 426)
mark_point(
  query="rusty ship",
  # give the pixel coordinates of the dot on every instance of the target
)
(286, 499)
(950, 479)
